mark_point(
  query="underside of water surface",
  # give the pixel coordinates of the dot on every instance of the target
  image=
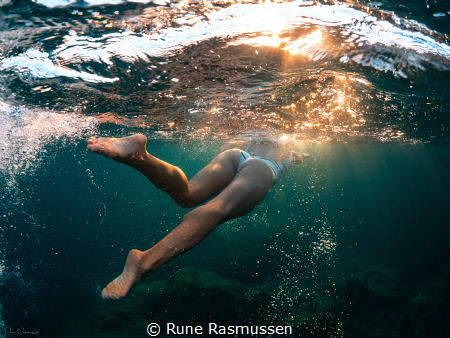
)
(351, 243)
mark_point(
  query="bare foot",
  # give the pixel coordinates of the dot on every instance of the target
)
(125, 149)
(131, 274)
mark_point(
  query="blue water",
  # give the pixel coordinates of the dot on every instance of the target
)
(352, 243)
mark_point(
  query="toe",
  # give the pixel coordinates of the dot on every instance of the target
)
(107, 294)
(96, 147)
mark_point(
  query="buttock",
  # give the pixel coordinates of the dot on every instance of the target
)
(277, 168)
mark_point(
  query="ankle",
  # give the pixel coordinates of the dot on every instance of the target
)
(148, 262)
(139, 159)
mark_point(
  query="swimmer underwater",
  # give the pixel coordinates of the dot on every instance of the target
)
(232, 185)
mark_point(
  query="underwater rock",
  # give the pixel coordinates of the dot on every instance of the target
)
(434, 292)
(202, 279)
(373, 279)
(190, 296)
(428, 309)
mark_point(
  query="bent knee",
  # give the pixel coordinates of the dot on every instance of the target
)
(188, 199)
(186, 202)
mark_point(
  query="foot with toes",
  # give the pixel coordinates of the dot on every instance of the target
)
(125, 149)
(132, 273)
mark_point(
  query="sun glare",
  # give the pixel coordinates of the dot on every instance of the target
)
(307, 45)
(304, 44)
(284, 137)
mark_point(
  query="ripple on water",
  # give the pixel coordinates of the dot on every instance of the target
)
(231, 65)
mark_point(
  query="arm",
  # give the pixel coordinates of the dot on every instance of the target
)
(299, 157)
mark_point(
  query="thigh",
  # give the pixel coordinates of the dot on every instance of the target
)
(245, 191)
(213, 178)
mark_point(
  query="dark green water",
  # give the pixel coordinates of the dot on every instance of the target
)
(352, 243)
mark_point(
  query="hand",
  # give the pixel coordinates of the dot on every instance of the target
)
(299, 157)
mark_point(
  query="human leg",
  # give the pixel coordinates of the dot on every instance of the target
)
(245, 191)
(206, 183)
